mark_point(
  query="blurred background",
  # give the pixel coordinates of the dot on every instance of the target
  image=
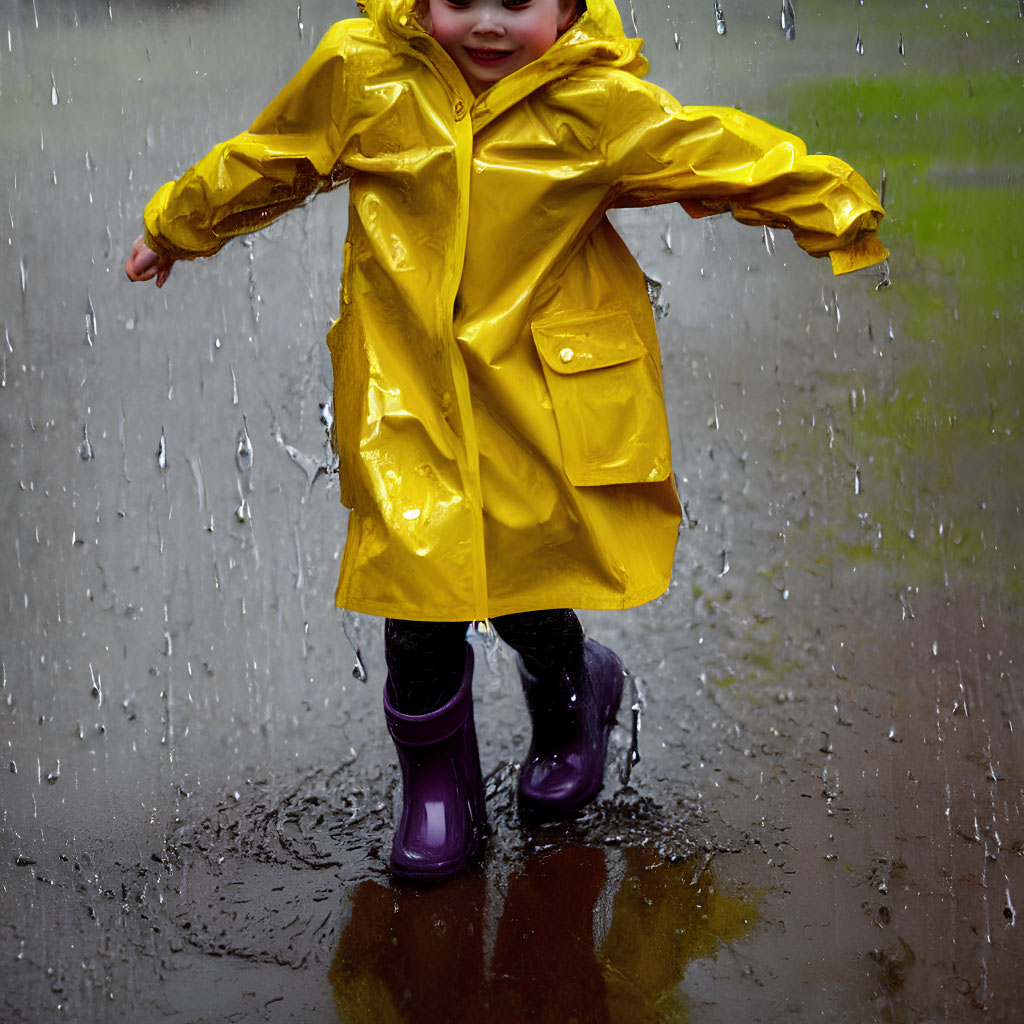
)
(197, 788)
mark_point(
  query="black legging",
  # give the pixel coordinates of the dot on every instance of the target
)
(426, 660)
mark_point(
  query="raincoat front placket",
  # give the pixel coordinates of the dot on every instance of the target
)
(462, 105)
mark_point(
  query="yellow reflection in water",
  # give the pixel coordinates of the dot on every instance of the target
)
(563, 943)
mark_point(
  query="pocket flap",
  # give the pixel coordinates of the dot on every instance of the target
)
(587, 341)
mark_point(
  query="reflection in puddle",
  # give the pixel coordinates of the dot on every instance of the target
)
(577, 934)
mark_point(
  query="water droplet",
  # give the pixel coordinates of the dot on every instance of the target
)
(161, 451)
(654, 295)
(899, 45)
(84, 447)
(327, 416)
(243, 450)
(54, 95)
(859, 45)
(351, 626)
(725, 563)
(719, 19)
(884, 281)
(301, 27)
(359, 669)
(769, 240)
(788, 19)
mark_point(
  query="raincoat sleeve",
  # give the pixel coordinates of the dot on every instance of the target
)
(717, 159)
(293, 149)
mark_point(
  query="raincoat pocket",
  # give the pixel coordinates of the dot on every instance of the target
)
(606, 394)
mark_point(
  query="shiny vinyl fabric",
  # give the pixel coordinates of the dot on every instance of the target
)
(499, 411)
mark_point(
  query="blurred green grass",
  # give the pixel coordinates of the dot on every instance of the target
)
(944, 439)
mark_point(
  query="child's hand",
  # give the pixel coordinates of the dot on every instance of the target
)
(144, 264)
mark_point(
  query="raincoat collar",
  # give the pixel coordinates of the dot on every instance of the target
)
(595, 38)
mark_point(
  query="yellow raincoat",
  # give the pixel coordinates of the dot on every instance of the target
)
(499, 411)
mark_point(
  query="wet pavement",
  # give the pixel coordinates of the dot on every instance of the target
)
(825, 821)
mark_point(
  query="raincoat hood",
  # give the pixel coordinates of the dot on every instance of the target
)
(594, 38)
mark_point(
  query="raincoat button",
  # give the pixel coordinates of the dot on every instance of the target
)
(566, 355)
(460, 110)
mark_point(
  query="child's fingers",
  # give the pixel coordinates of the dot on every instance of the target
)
(139, 271)
(164, 272)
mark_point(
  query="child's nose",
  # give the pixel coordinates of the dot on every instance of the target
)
(490, 24)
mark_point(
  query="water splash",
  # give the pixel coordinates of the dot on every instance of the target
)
(787, 19)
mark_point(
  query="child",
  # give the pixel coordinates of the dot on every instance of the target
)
(499, 412)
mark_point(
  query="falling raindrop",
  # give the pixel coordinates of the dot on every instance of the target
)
(84, 447)
(725, 563)
(769, 240)
(54, 95)
(243, 450)
(881, 189)
(884, 281)
(301, 27)
(359, 669)
(835, 308)
(788, 19)
(679, 42)
(632, 15)
(637, 705)
(90, 321)
(161, 451)
(327, 416)
(654, 295)
(351, 627)
(719, 19)
(859, 45)
(1020, 8)
(899, 46)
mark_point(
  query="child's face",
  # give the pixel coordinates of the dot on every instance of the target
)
(489, 39)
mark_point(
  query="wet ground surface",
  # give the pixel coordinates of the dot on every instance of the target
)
(826, 818)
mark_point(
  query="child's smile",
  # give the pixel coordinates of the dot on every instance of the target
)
(489, 39)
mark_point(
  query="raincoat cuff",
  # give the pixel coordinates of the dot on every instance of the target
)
(865, 252)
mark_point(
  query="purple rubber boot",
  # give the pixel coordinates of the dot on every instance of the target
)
(572, 719)
(443, 813)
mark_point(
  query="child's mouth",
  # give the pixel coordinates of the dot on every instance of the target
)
(488, 57)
